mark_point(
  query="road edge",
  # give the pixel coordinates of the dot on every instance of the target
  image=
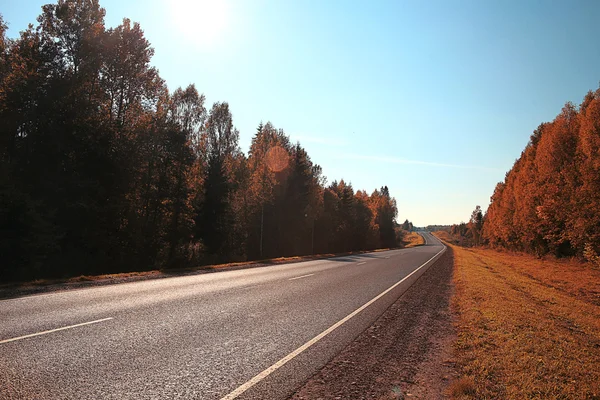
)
(408, 282)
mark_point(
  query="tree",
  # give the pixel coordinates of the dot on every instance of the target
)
(214, 222)
(406, 225)
(585, 219)
(366, 233)
(268, 164)
(102, 169)
(186, 115)
(548, 202)
(4, 45)
(301, 202)
(130, 83)
(476, 224)
(385, 215)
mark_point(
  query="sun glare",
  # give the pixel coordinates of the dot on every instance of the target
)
(201, 21)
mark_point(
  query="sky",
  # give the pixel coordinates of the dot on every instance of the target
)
(435, 99)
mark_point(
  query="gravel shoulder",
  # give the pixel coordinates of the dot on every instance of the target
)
(406, 353)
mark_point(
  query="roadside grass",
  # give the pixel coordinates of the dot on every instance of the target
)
(413, 239)
(527, 328)
(445, 236)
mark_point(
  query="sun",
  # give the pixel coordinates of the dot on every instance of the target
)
(203, 22)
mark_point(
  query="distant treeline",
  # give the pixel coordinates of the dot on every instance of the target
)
(549, 202)
(104, 170)
(434, 228)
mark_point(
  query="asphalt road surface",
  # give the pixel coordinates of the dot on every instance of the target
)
(255, 333)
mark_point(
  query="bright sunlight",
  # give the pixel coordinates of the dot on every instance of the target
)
(201, 21)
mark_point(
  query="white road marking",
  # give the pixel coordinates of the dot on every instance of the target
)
(241, 389)
(361, 263)
(300, 277)
(54, 330)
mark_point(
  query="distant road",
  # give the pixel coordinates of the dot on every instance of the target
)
(252, 333)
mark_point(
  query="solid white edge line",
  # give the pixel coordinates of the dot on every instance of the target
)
(300, 277)
(54, 330)
(241, 389)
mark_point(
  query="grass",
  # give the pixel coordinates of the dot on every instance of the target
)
(445, 236)
(464, 386)
(527, 328)
(413, 239)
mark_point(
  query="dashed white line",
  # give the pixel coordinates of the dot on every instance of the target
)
(54, 330)
(300, 277)
(241, 389)
(361, 263)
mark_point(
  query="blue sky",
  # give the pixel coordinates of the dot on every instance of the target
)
(434, 99)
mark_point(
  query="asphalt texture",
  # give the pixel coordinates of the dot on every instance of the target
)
(198, 337)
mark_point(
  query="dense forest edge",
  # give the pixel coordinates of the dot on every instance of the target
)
(532, 263)
(103, 169)
(549, 202)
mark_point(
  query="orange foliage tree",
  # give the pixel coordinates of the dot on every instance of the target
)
(550, 199)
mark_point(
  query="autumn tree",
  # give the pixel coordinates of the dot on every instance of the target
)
(385, 212)
(186, 115)
(548, 202)
(367, 235)
(301, 202)
(215, 219)
(103, 169)
(475, 225)
(268, 163)
(56, 131)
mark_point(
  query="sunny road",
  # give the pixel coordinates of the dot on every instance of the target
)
(252, 333)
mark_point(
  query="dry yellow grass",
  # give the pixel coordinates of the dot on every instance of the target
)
(445, 236)
(464, 386)
(527, 328)
(413, 239)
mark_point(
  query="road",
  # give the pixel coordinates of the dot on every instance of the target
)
(255, 333)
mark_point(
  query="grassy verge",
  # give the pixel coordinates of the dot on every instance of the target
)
(527, 328)
(413, 239)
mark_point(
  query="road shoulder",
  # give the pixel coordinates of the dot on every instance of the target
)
(406, 353)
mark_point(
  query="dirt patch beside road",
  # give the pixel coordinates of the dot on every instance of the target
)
(406, 353)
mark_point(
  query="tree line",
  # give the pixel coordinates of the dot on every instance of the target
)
(469, 233)
(103, 169)
(549, 202)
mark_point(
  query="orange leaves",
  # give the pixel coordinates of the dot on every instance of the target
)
(550, 201)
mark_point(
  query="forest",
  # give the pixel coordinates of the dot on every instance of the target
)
(549, 202)
(103, 169)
